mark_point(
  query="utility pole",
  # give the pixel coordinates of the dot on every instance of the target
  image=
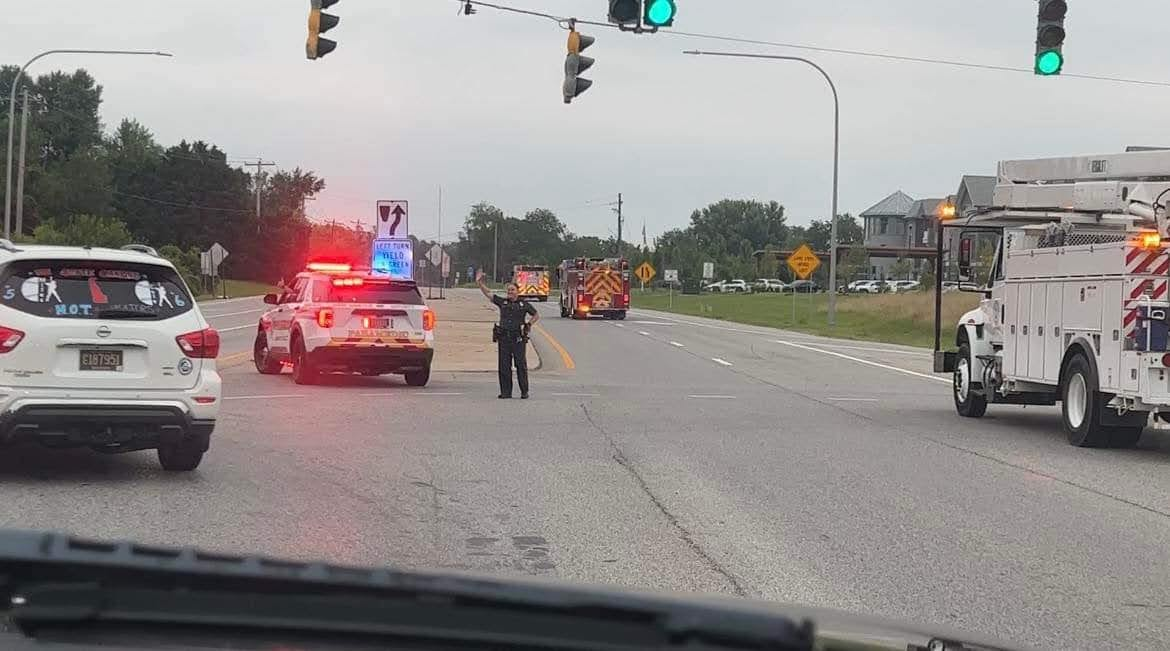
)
(20, 167)
(619, 214)
(259, 184)
(496, 255)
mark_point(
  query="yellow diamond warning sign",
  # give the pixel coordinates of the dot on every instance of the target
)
(803, 262)
(644, 272)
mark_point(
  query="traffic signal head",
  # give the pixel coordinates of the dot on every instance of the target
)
(624, 12)
(575, 64)
(659, 13)
(1050, 37)
(319, 23)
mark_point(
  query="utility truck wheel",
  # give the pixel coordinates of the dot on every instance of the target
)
(1081, 405)
(967, 402)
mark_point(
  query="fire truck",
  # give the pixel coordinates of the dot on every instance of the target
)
(1074, 304)
(597, 286)
(532, 281)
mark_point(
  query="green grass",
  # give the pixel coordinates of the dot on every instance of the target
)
(238, 288)
(891, 318)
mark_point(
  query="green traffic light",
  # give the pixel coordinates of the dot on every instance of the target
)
(660, 12)
(1049, 62)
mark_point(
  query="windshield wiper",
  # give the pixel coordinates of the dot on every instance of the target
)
(54, 582)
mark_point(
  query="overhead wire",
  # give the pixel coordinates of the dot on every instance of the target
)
(564, 22)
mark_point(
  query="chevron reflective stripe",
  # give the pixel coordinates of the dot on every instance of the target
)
(605, 281)
(1142, 288)
(1143, 261)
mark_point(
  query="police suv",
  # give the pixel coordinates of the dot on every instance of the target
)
(339, 318)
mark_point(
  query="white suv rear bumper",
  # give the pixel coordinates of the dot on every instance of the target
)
(113, 420)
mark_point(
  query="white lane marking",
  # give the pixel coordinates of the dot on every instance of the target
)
(703, 397)
(419, 393)
(677, 345)
(216, 316)
(270, 397)
(619, 325)
(575, 395)
(867, 362)
(764, 332)
(873, 349)
(250, 325)
(852, 399)
(224, 301)
(721, 361)
(644, 333)
(661, 323)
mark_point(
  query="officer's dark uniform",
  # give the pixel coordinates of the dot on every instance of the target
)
(513, 343)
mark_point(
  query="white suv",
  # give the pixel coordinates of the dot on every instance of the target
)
(104, 349)
(338, 318)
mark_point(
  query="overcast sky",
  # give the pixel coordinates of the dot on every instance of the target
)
(416, 97)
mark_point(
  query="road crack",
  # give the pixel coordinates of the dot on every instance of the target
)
(684, 534)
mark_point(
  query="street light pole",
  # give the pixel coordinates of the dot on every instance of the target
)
(12, 117)
(836, 162)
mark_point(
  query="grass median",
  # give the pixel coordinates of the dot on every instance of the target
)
(891, 318)
(239, 288)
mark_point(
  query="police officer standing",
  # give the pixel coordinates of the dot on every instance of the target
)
(511, 336)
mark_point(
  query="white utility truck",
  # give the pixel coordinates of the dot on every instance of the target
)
(1075, 299)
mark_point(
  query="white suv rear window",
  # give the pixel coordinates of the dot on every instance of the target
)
(86, 289)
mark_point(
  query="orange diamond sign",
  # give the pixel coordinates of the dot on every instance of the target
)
(803, 262)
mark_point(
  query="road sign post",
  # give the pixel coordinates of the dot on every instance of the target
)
(645, 272)
(803, 262)
(671, 277)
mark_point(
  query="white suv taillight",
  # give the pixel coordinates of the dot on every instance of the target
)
(9, 338)
(203, 344)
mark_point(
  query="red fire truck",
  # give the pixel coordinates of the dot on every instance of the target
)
(598, 286)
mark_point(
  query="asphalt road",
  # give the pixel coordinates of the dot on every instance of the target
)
(668, 453)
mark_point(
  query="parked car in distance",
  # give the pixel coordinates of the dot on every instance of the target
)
(803, 287)
(768, 285)
(737, 286)
(715, 287)
(904, 285)
(864, 286)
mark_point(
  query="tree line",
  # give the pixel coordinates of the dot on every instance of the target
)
(743, 238)
(88, 186)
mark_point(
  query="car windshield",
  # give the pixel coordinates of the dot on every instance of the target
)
(639, 294)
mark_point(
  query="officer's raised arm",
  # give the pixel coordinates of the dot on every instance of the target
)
(483, 287)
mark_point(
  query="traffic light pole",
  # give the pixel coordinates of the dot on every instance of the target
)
(12, 118)
(836, 162)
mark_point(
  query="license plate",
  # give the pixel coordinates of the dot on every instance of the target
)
(101, 360)
(381, 324)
